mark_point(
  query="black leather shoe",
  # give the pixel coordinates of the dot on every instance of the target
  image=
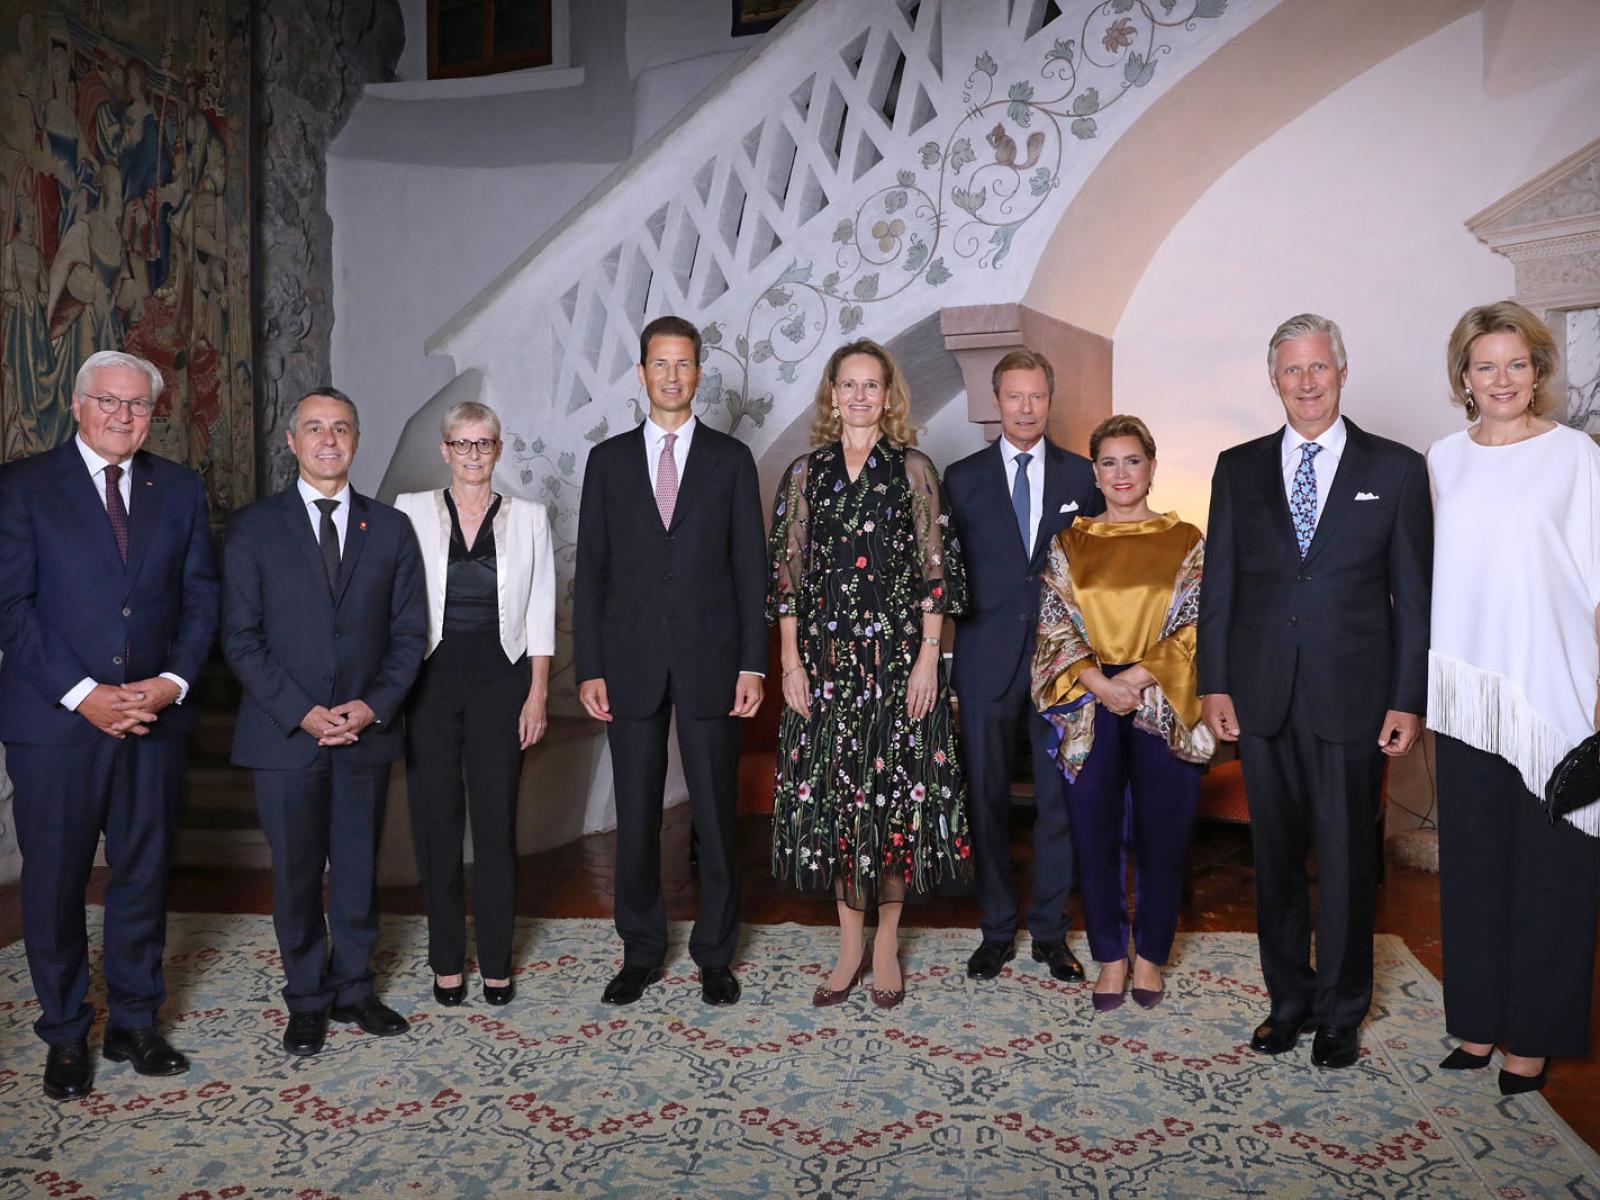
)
(628, 984)
(1064, 964)
(498, 996)
(68, 1070)
(146, 1049)
(305, 1032)
(718, 986)
(450, 997)
(373, 1015)
(1274, 1036)
(988, 958)
(1335, 1047)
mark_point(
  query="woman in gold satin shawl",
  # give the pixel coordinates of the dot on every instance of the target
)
(1114, 674)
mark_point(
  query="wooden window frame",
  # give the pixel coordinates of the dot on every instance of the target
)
(490, 63)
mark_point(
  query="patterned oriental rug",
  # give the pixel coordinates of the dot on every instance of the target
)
(1004, 1089)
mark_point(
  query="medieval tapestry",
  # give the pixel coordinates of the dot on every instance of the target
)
(125, 221)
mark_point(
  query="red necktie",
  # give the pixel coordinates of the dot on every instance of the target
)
(667, 481)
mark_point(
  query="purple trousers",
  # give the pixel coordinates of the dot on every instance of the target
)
(1131, 792)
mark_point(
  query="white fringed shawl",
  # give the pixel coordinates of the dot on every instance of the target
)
(1516, 580)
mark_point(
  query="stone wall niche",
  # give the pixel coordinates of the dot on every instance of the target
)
(979, 335)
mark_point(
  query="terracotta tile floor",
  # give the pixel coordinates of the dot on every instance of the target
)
(575, 881)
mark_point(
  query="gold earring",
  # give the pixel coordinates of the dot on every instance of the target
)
(1472, 407)
(835, 410)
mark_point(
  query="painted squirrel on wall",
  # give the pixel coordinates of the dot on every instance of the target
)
(1005, 147)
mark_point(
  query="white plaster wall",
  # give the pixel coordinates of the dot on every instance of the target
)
(1353, 210)
(411, 244)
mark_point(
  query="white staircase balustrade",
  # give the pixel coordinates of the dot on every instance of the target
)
(872, 162)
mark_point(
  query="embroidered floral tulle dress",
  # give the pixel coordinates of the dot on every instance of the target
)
(869, 803)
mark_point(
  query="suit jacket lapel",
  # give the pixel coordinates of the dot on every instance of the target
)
(78, 486)
(1341, 492)
(355, 540)
(297, 522)
(1271, 468)
(144, 513)
(704, 458)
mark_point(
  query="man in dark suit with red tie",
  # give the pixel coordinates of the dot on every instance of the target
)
(669, 616)
(324, 621)
(1313, 656)
(108, 604)
(1008, 501)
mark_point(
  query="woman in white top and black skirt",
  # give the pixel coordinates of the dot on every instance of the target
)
(480, 697)
(1512, 688)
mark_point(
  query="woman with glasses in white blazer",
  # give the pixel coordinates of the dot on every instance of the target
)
(480, 698)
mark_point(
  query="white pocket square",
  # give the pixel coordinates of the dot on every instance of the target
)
(1070, 506)
(1366, 495)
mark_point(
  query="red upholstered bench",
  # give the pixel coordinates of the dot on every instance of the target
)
(1222, 794)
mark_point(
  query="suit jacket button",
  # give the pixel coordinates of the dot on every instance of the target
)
(1294, 620)
(116, 660)
(127, 612)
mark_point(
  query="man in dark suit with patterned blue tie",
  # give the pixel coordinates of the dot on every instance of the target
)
(108, 604)
(324, 621)
(1313, 656)
(1008, 501)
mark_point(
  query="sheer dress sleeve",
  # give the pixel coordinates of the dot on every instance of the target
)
(938, 550)
(788, 543)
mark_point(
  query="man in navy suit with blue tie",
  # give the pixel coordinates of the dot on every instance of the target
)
(1008, 501)
(324, 621)
(108, 604)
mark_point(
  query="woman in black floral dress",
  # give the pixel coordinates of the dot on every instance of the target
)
(870, 800)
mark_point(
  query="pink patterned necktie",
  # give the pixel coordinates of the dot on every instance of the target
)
(667, 480)
(116, 510)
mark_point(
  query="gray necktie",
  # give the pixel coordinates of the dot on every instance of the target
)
(328, 540)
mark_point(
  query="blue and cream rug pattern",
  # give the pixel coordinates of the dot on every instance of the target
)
(1011, 1088)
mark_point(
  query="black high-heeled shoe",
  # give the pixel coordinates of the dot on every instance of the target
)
(450, 997)
(1512, 1084)
(1462, 1059)
(499, 995)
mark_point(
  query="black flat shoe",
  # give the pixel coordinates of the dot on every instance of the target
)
(450, 997)
(718, 986)
(146, 1049)
(1335, 1047)
(68, 1070)
(1274, 1036)
(988, 958)
(1063, 963)
(305, 1032)
(1512, 1084)
(498, 996)
(628, 984)
(1461, 1059)
(373, 1015)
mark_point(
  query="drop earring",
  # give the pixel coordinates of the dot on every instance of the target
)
(1472, 407)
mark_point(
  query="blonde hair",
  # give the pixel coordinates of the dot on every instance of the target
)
(1122, 425)
(1506, 316)
(827, 425)
(468, 412)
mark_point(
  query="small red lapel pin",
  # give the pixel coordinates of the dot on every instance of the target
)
(363, 525)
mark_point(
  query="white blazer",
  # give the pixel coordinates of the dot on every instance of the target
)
(525, 569)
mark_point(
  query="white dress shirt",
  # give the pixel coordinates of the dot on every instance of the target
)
(654, 435)
(341, 515)
(1008, 454)
(97, 472)
(1332, 440)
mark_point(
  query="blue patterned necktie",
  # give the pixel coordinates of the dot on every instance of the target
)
(1022, 501)
(1303, 497)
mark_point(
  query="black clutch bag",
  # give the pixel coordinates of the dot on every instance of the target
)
(1576, 780)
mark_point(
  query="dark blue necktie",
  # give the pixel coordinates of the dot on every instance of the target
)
(1022, 501)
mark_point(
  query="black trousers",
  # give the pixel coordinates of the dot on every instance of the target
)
(988, 743)
(65, 796)
(329, 813)
(462, 753)
(709, 747)
(1518, 900)
(1301, 790)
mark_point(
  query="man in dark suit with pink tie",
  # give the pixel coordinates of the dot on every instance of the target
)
(108, 604)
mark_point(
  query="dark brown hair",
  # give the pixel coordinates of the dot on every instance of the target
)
(1121, 425)
(1024, 360)
(668, 327)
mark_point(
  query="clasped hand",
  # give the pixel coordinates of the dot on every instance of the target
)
(338, 726)
(118, 710)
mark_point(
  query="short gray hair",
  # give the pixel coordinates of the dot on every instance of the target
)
(102, 360)
(331, 393)
(468, 412)
(1303, 326)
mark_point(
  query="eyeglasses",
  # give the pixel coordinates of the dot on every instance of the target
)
(465, 446)
(141, 407)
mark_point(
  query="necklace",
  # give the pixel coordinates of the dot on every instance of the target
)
(464, 514)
